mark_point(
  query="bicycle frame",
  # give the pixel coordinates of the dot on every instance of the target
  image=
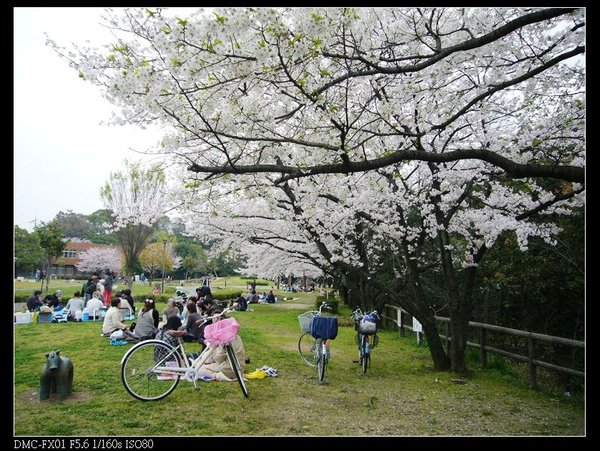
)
(188, 371)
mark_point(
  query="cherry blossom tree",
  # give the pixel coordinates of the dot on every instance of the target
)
(344, 89)
(136, 197)
(369, 144)
(98, 259)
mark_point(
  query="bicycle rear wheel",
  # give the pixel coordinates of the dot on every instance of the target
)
(139, 371)
(365, 353)
(307, 347)
(323, 359)
(235, 366)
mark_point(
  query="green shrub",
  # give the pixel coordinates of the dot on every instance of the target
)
(326, 298)
(225, 295)
(22, 297)
(331, 303)
(258, 281)
(157, 297)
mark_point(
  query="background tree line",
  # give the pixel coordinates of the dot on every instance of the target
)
(33, 250)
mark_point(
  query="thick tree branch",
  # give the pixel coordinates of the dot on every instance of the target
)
(513, 169)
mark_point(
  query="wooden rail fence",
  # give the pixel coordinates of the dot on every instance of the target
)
(482, 328)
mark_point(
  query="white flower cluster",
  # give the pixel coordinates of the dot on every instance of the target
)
(305, 88)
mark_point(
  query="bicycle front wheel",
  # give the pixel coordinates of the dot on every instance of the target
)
(323, 358)
(235, 366)
(139, 372)
(307, 347)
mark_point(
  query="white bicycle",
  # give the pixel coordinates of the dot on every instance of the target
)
(151, 369)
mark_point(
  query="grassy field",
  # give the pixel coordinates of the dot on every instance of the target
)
(399, 396)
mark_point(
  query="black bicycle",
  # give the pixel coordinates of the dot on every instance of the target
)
(366, 335)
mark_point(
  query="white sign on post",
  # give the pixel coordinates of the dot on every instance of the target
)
(417, 326)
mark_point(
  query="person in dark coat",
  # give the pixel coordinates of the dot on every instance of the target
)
(35, 301)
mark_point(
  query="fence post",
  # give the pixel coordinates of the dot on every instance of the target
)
(399, 320)
(483, 342)
(532, 367)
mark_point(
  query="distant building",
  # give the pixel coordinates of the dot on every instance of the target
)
(64, 267)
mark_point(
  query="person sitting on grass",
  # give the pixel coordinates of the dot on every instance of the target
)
(112, 320)
(74, 305)
(241, 304)
(94, 305)
(170, 310)
(54, 300)
(192, 327)
(147, 321)
(35, 302)
(171, 332)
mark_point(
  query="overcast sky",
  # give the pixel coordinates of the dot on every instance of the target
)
(62, 155)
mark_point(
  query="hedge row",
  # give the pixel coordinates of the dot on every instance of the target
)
(220, 295)
(257, 281)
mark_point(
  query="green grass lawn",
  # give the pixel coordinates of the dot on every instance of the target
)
(399, 396)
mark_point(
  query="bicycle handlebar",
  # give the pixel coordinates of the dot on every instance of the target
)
(324, 305)
(217, 315)
(358, 314)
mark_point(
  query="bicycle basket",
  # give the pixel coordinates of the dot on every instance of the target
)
(366, 327)
(305, 319)
(222, 332)
(325, 327)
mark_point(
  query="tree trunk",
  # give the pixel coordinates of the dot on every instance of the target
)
(459, 326)
(436, 346)
(47, 274)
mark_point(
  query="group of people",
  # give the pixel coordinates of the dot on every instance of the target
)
(54, 303)
(186, 323)
(254, 298)
(95, 297)
(103, 285)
